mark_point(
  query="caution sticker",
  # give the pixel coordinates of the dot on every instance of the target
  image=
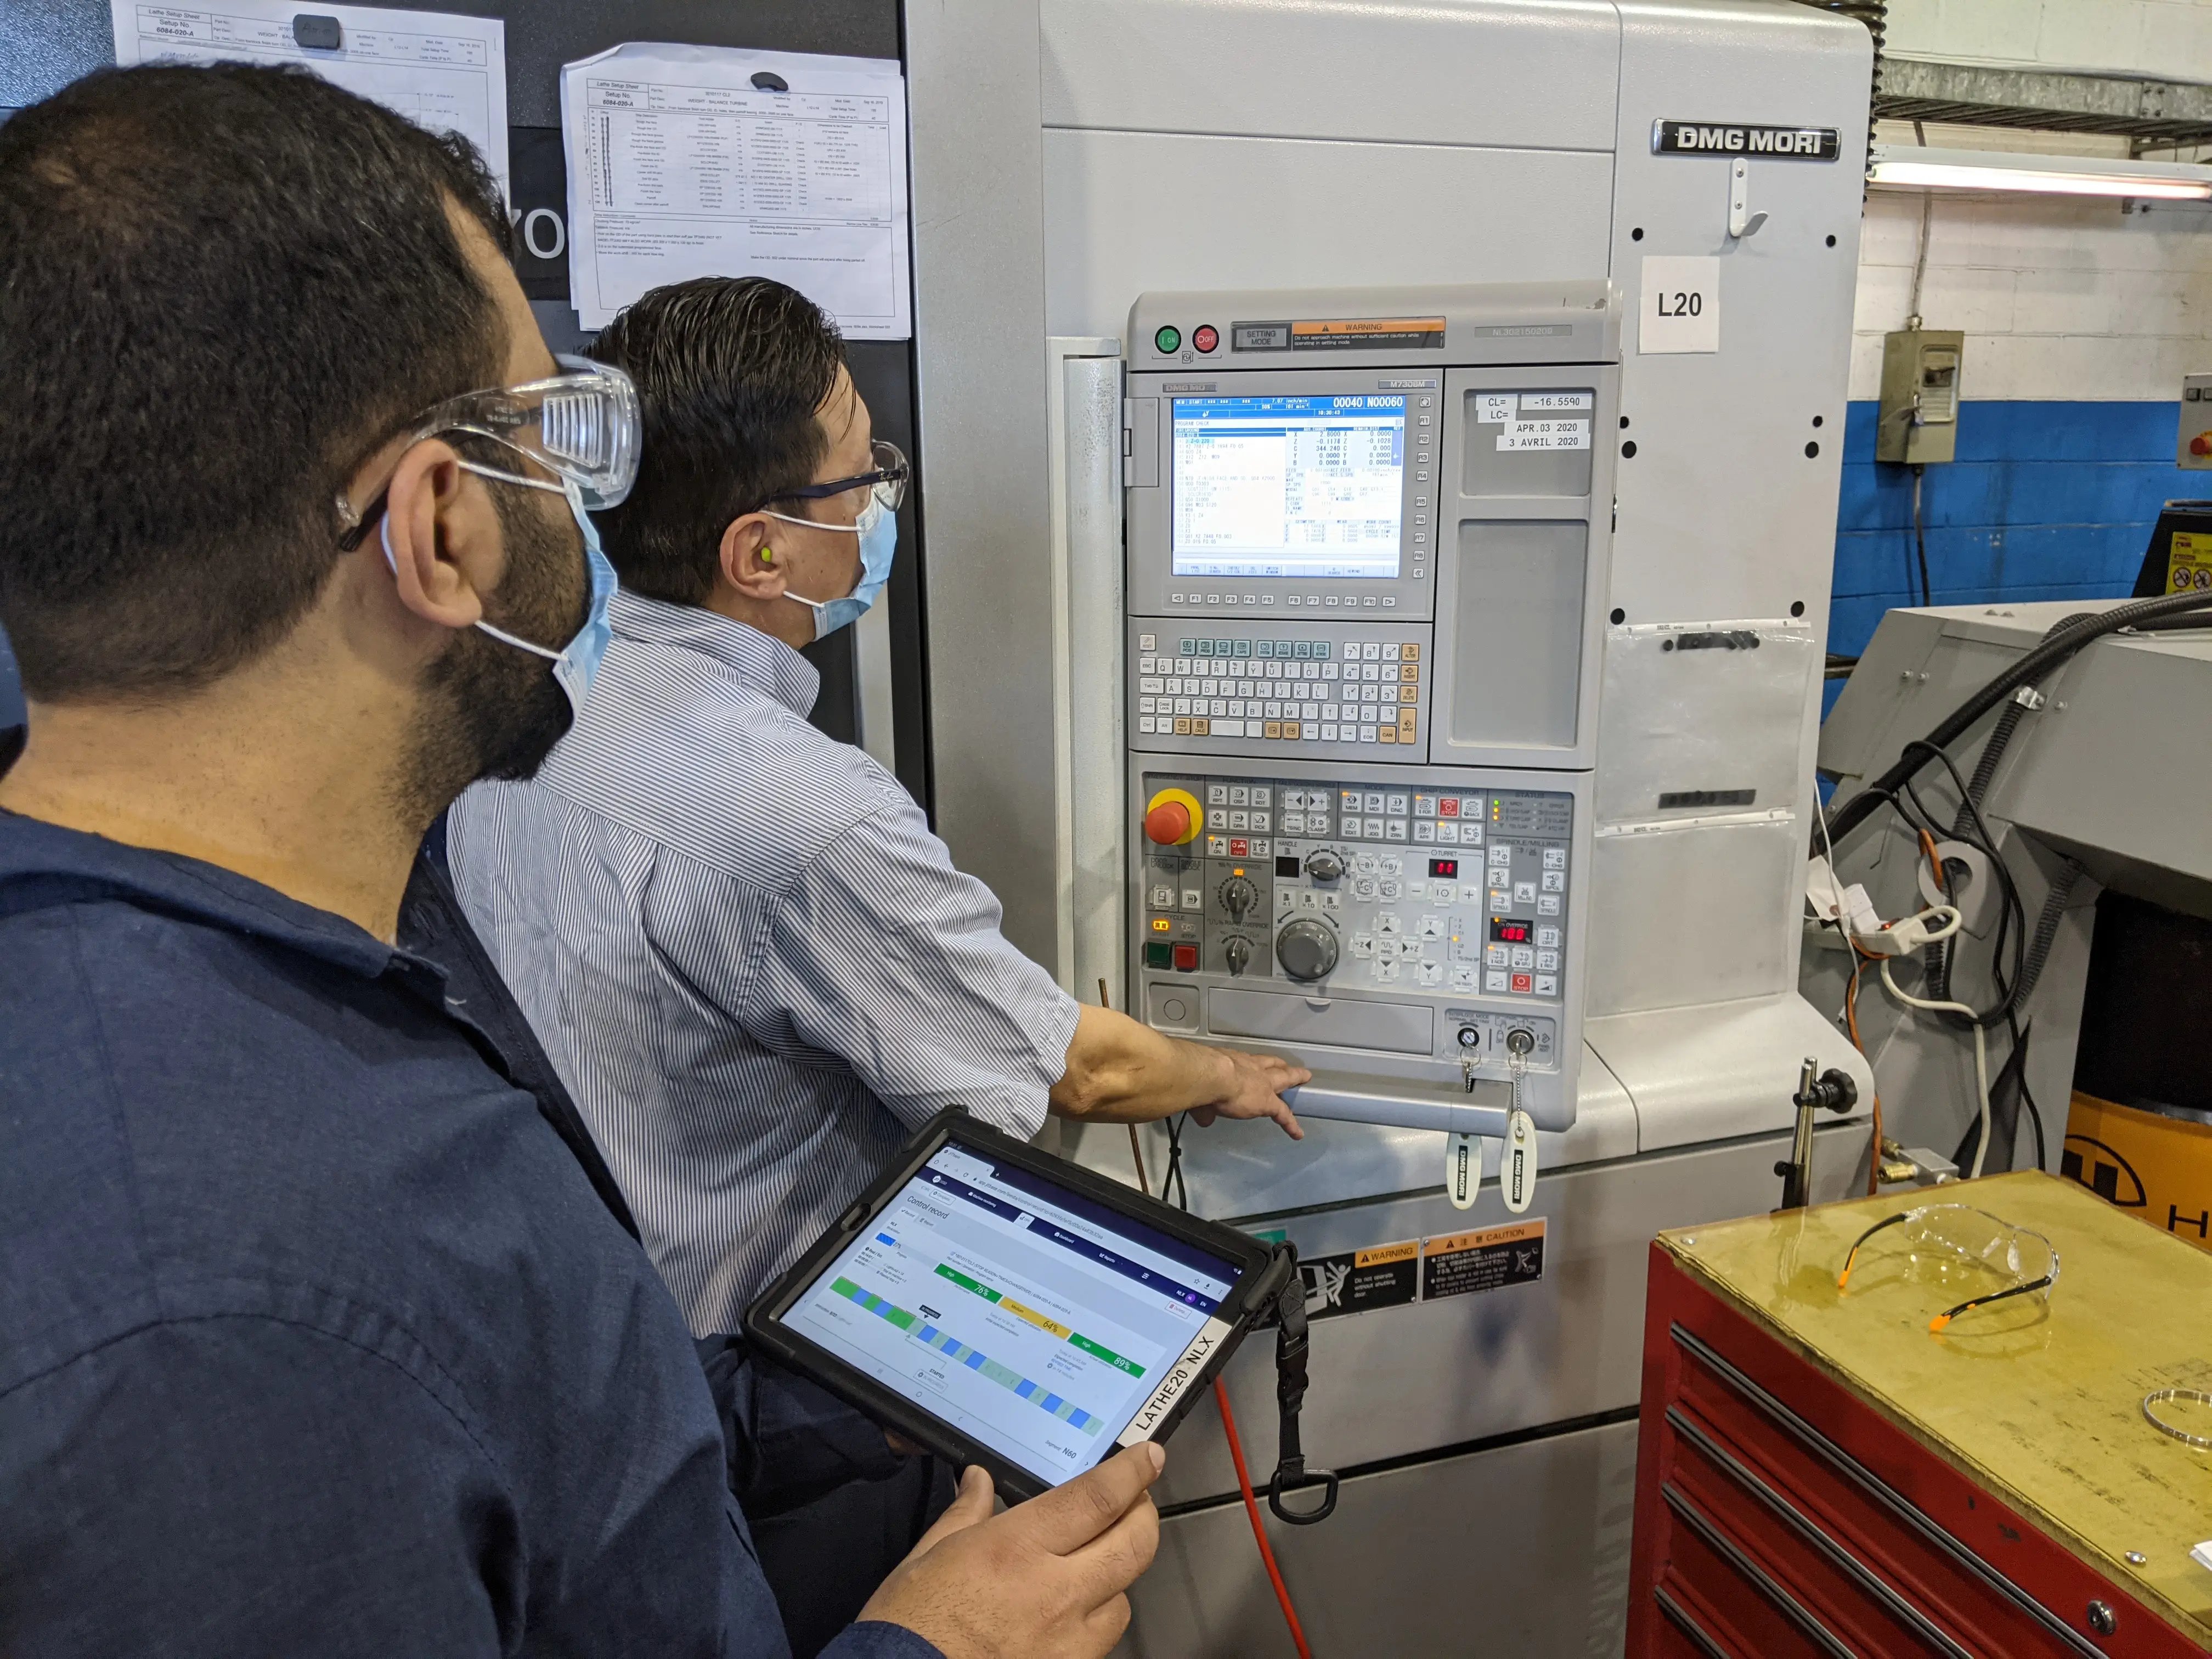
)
(1359, 1281)
(1461, 1264)
(2188, 563)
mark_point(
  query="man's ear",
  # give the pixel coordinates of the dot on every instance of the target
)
(750, 561)
(446, 540)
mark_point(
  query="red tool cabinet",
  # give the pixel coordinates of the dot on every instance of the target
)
(1817, 1474)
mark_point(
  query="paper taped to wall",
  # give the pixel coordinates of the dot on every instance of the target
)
(441, 71)
(690, 161)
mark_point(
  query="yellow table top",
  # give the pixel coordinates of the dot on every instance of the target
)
(2040, 1403)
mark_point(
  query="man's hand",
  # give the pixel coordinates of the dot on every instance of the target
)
(1044, 1580)
(1120, 1071)
(1256, 1086)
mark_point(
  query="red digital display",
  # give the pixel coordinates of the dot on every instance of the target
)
(1443, 866)
(1508, 933)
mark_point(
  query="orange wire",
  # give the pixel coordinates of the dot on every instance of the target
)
(1259, 1532)
(1851, 1019)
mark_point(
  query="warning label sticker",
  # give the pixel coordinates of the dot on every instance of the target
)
(1363, 333)
(1358, 1281)
(1461, 1264)
(2188, 563)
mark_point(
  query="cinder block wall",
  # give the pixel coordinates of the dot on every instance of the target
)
(2080, 320)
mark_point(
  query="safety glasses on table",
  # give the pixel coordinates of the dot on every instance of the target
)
(887, 481)
(1962, 1243)
(582, 425)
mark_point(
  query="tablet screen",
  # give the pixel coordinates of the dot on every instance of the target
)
(1030, 1317)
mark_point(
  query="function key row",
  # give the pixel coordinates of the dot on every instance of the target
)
(1293, 650)
(1219, 677)
(1406, 729)
(1349, 601)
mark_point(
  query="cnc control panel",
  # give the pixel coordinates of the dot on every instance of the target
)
(1322, 908)
(1368, 540)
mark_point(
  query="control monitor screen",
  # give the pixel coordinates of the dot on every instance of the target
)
(1310, 486)
(1033, 1319)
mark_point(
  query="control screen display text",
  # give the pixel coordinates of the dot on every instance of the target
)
(1289, 486)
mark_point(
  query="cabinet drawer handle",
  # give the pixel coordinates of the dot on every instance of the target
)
(1908, 1514)
(1754, 1575)
(1683, 1620)
(1837, 1555)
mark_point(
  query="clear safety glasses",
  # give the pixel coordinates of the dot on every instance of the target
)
(1962, 1248)
(887, 481)
(582, 425)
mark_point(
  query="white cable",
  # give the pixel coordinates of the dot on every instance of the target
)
(1911, 933)
(1981, 1052)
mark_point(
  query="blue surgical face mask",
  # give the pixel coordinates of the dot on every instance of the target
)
(878, 533)
(576, 664)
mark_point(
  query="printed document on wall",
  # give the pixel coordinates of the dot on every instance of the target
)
(441, 71)
(690, 161)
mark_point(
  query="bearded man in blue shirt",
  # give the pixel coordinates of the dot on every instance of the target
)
(322, 1330)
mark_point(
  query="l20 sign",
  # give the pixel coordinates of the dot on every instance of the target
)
(1680, 308)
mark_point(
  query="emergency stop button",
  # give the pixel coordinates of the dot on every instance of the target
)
(1173, 818)
(2201, 443)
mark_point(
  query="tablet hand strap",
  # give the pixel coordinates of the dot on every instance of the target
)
(1291, 1343)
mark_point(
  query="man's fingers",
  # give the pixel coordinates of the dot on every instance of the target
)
(1104, 1627)
(1117, 1557)
(1069, 1516)
(972, 1507)
(1289, 1120)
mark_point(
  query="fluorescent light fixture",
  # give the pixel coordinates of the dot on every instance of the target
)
(1913, 167)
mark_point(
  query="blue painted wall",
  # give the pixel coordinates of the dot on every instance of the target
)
(2046, 501)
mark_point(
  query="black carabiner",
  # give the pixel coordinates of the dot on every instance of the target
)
(1290, 1469)
(1303, 1479)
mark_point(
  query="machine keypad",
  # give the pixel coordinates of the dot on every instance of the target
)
(1313, 692)
(1463, 918)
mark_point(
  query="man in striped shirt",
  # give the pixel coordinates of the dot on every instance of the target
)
(753, 965)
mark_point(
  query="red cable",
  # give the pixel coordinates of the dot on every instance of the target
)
(1259, 1532)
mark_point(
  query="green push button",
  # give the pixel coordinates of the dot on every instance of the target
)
(1158, 956)
(1169, 340)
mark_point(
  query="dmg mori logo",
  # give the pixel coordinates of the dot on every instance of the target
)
(1779, 144)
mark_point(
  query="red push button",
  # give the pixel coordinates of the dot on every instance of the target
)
(2201, 443)
(1205, 337)
(1521, 982)
(1167, 824)
(1186, 958)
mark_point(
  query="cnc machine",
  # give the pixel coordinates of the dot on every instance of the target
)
(1497, 347)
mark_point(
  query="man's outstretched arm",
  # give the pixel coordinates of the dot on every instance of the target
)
(1120, 1071)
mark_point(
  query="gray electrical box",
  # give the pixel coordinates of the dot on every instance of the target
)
(1919, 395)
(2192, 447)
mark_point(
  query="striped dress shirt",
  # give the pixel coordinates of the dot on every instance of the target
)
(752, 964)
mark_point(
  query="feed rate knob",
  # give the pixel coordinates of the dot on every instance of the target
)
(1237, 896)
(1237, 953)
(1173, 818)
(1306, 949)
(1322, 865)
